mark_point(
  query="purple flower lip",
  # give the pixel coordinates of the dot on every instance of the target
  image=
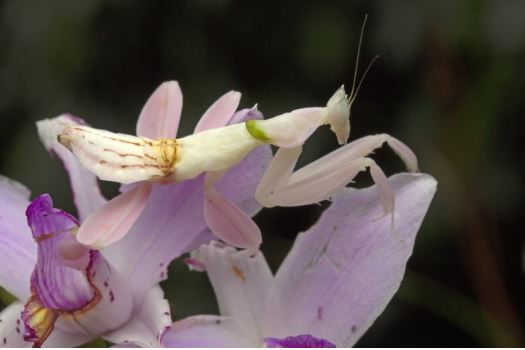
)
(52, 228)
(299, 341)
(39, 331)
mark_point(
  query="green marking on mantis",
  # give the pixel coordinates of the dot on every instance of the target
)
(256, 132)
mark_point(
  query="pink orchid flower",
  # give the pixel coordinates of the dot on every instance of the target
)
(337, 279)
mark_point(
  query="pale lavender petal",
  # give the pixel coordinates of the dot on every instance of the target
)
(161, 114)
(172, 222)
(147, 323)
(17, 248)
(220, 112)
(207, 331)
(341, 274)
(86, 192)
(298, 341)
(241, 283)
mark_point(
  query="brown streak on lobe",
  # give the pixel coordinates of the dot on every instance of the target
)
(238, 272)
(123, 155)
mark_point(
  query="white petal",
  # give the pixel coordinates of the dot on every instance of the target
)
(240, 281)
(147, 323)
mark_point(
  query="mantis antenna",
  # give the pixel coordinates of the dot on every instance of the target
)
(354, 91)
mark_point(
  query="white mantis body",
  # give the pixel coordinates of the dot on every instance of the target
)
(126, 159)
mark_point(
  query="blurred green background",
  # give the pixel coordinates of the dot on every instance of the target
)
(449, 83)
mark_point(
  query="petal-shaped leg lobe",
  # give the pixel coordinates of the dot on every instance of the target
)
(226, 220)
(219, 113)
(114, 220)
(160, 115)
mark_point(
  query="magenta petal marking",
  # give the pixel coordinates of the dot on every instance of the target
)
(55, 287)
(195, 265)
(299, 341)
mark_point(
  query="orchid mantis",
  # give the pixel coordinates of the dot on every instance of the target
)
(128, 159)
(156, 156)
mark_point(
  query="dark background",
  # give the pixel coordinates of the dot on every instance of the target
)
(449, 83)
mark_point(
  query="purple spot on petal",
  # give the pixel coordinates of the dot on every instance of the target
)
(5, 340)
(111, 296)
(167, 313)
(17, 321)
(319, 313)
(299, 341)
(354, 328)
(106, 284)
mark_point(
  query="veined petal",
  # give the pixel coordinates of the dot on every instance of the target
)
(341, 274)
(86, 192)
(208, 331)
(220, 112)
(86, 297)
(17, 248)
(174, 220)
(51, 228)
(147, 323)
(241, 283)
(161, 114)
(113, 221)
